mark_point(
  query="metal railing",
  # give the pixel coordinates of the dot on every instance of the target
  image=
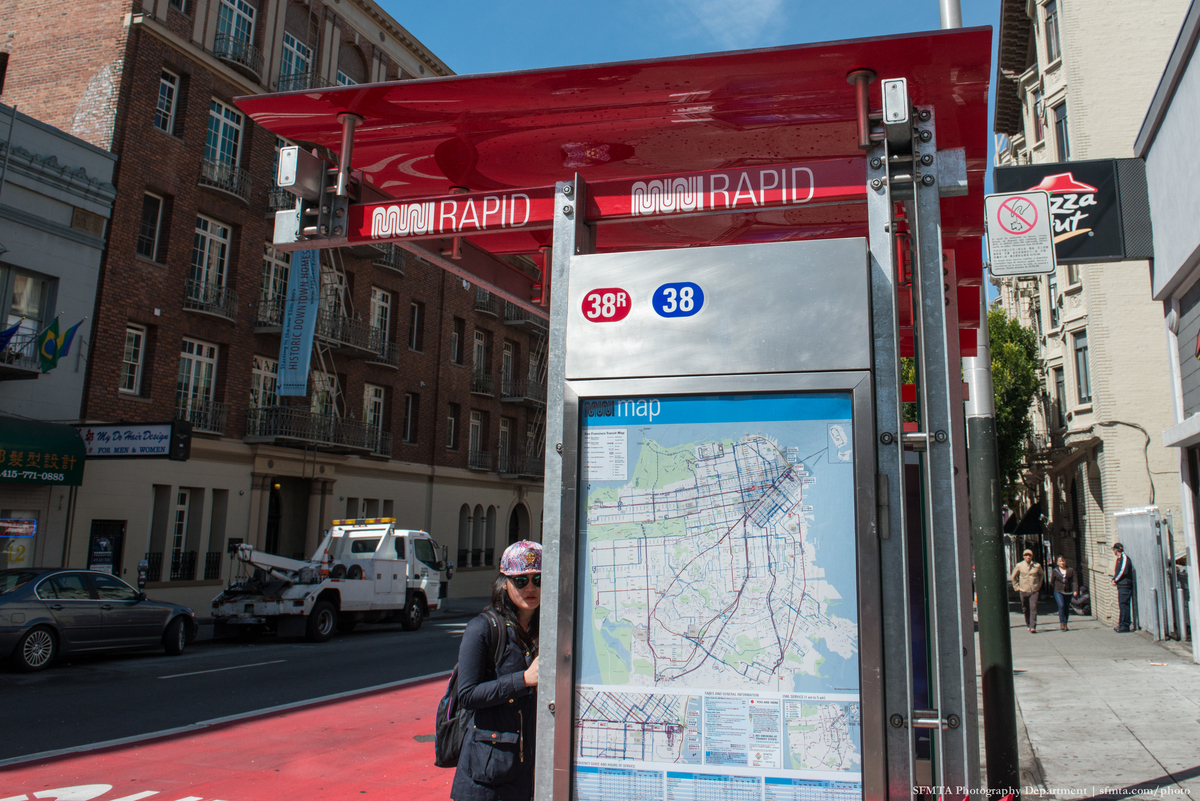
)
(511, 388)
(226, 177)
(154, 566)
(391, 258)
(535, 393)
(210, 298)
(21, 353)
(332, 326)
(183, 566)
(486, 302)
(479, 460)
(239, 52)
(300, 81)
(212, 565)
(298, 424)
(483, 383)
(279, 199)
(515, 315)
(510, 464)
(388, 354)
(533, 468)
(205, 416)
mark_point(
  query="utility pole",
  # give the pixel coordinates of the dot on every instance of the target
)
(991, 575)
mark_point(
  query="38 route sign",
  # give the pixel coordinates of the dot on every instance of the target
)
(1019, 236)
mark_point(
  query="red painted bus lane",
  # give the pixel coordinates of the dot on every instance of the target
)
(360, 747)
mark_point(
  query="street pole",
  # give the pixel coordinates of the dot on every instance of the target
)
(991, 575)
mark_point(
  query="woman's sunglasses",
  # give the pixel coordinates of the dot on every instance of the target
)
(520, 582)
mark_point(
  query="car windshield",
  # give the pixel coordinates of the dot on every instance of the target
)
(11, 579)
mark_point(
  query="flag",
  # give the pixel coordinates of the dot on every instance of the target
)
(7, 334)
(52, 345)
(48, 346)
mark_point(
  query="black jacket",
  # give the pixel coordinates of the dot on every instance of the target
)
(1123, 571)
(1068, 584)
(496, 763)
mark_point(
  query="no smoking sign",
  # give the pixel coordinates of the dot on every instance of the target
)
(1019, 238)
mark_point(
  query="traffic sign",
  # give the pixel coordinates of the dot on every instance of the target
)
(1019, 236)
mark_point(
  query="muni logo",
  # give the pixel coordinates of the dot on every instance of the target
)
(667, 196)
(404, 220)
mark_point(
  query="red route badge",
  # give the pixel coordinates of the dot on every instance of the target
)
(607, 305)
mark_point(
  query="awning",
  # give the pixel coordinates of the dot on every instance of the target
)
(1029, 523)
(33, 452)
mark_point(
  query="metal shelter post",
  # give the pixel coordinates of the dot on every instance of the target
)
(948, 568)
(572, 237)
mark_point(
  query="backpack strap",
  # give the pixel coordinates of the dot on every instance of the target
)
(497, 638)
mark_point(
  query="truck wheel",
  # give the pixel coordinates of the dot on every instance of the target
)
(413, 614)
(322, 621)
(175, 637)
(36, 650)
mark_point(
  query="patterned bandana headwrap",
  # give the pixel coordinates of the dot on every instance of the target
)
(521, 558)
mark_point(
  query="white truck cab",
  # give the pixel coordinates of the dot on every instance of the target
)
(365, 570)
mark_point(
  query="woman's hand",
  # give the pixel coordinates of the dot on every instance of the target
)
(531, 673)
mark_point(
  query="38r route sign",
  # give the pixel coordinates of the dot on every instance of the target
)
(1019, 236)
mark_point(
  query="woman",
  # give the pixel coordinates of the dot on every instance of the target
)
(496, 763)
(1065, 587)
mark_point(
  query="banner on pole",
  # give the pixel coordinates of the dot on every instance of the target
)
(299, 323)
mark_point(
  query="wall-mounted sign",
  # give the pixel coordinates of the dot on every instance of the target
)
(135, 440)
(1019, 235)
(1100, 210)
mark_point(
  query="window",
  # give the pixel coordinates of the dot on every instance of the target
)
(180, 523)
(416, 325)
(411, 416)
(456, 341)
(452, 427)
(1062, 137)
(345, 80)
(131, 361)
(373, 407)
(197, 374)
(480, 362)
(505, 436)
(209, 249)
(29, 307)
(1052, 284)
(1072, 274)
(1083, 376)
(168, 93)
(263, 379)
(1053, 46)
(224, 141)
(236, 20)
(1039, 132)
(507, 358)
(381, 311)
(276, 267)
(1060, 396)
(110, 588)
(476, 435)
(333, 292)
(297, 59)
(324, 394)
(147, 241)
(178, 4)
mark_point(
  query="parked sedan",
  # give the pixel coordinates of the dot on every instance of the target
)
(48, 612)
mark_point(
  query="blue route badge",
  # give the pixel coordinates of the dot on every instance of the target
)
(682, 299)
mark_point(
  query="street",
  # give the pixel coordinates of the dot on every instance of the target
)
(87, 700)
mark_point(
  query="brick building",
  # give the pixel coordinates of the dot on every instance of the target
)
(1075, 78)
(420, 403)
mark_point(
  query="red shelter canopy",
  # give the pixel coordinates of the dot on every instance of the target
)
(644, 119)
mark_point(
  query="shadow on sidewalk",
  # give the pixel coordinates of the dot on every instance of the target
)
(1147, 786)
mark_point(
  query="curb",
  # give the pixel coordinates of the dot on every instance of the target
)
(1031, 775)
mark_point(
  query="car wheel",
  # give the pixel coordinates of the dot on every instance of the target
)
(36, 650)
(413, 614)
(175, 637)
(322, 621)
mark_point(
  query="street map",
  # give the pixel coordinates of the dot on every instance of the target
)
(718, 598)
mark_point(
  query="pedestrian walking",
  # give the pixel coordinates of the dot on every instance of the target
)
(496, 762)
(1066, 587)
(1123, 580)
(1027, 578)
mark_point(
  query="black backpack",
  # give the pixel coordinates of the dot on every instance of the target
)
(453, 719)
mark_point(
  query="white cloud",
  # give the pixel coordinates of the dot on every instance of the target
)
(732, 24)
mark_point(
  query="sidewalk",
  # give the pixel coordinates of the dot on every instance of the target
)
(1108, 715)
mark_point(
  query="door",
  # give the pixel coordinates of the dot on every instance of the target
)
(126, 620)
(106, 546)
(425, 567)
(75, 608)
(390, 571)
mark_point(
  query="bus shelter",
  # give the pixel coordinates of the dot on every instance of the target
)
(758, 574)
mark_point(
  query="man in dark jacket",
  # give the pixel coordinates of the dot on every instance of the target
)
(1123, 580)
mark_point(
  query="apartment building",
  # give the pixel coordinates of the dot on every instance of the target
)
(426, 397)
(1074, 80)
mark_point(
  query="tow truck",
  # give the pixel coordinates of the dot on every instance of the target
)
(365, 570)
